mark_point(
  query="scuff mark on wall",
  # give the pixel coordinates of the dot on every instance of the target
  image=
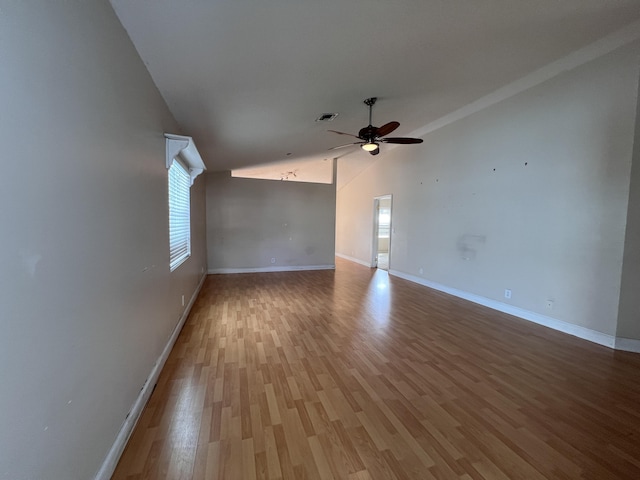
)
(30, 261)
(468, 245)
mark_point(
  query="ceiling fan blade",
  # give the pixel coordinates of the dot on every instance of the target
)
(343, 133)
(347, 145)
(401, 140)
(386, 129)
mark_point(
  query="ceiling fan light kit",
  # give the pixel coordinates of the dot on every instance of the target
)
(370, 137)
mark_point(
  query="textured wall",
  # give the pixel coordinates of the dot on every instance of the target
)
(629, 312)
(529, 194)
(251, 221)
(87, 299)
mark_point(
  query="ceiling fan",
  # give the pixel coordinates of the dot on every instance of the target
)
(370, 137)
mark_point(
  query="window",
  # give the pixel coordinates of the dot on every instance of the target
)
(184, 164)
(179, 215)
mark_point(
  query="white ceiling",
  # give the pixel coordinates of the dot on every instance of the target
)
(248, 78)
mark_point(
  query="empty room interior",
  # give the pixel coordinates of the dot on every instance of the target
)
(320, 240)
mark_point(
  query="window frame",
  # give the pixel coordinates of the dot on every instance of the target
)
(181, 151)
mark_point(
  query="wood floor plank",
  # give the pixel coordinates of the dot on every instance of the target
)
(320, 458)
(352, 374)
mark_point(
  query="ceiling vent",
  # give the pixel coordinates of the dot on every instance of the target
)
(326, 117)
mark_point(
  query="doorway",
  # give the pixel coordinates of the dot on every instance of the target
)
(382, 232)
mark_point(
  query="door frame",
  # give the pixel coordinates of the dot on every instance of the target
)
(376, 226)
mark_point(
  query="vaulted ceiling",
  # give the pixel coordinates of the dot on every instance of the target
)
(248, 78)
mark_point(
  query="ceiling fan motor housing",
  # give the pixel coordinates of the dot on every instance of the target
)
(368, 133)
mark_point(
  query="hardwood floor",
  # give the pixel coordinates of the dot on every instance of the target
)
(356, 375)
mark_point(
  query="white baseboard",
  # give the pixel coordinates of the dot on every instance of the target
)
(290, 268)
(575, 330)
(111, 460)
(628, 344)
(354, 260)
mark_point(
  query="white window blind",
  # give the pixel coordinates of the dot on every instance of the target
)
(179, 215)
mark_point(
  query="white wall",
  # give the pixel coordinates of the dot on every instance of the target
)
(87, 299)
(251, 221)
(529, 194)
(629, 312)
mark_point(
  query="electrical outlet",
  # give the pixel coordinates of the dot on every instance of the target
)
(507, 293)
(273, 259)
(421, 270)
(183, 300)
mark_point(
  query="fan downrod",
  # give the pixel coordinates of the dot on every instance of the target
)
(369, 102)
